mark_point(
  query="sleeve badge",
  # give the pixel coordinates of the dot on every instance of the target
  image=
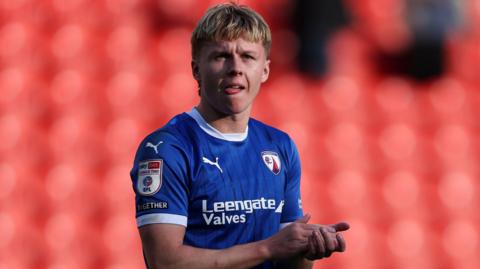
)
(149, 177)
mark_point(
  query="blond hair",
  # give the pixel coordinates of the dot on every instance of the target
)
(228, 22)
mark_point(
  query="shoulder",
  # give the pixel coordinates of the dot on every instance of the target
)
(167, 140)
(281, 140)
(272, 133)
(174, 131)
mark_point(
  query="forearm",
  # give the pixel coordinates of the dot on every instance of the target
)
(236, 257)
(164, 249)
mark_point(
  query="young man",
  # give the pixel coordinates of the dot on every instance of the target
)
(214, 187)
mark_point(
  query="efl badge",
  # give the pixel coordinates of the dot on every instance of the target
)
(149, 177)
(272, 161)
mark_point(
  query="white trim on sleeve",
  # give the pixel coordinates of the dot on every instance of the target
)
(161, 218)
(283, 225)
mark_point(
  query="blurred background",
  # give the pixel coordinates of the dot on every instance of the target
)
(381, 96)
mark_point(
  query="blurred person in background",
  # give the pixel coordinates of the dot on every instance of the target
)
(429, 23)
(218, 189)
(315, 22)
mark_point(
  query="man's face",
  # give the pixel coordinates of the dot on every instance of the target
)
(230, 74)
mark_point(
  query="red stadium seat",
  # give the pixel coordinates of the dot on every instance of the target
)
(461, 240)
(453, 145)
(349, 184)
(72, 36)
(364, 244)
(12, 130)
(182, 11)
(406, 239)
(10, 177)
(124, 43)
(289, 88)
(15, 37)
(457, 191)
(350, 55)
(9, 231)
(341, 94)
(451, 102)
(346, 143)
(118, 198)
(67, 87)
(121, 138)
(13, 82)
(66, 176)
(401, 190)
(398, 142)
(395, 99)
(183, 88)
(121, 239)
(173, 50)
(123, 88)
(119, 7)
(61, 231)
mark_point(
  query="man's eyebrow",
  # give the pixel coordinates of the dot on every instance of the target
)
(216, 52)
(219, 50)
(250, 51)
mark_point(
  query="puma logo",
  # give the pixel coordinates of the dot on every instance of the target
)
(207, 161)
(155, 147)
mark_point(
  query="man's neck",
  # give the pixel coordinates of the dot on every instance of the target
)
(224, 123)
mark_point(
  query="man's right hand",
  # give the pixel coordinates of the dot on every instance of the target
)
(291, 240)
(316, 241)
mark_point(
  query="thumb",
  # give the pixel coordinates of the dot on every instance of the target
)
(340, 227)
(304, 219)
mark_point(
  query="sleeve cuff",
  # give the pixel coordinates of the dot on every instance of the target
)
(283, 225)
(161, 218)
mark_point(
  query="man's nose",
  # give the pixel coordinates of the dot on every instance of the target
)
(236, 66)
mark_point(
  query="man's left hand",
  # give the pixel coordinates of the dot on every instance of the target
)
(326, 240)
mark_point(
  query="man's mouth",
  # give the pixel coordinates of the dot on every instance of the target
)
(233, 88)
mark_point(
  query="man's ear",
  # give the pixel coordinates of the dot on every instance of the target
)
(195, 70)
(266, 70)
(196, 75)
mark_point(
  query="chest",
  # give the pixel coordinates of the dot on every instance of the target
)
(234, 172)
(238, 182)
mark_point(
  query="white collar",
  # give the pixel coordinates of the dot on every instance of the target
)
(234, 137)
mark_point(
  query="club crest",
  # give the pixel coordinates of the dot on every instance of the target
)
(149, 177)
(272, 161)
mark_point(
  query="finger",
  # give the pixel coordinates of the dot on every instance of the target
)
(311, 253)
(342, 246)
(312, 250)
(330, 228)
(340, 227)
(329, 239)
(304, 229)
(304, 219)
(320, 243)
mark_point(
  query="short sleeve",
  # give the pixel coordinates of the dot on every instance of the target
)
(292, 209)
(159, 179)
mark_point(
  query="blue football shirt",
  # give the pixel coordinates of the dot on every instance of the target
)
(226, 189)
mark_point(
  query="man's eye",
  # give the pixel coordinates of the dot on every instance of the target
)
(221, 56)
(248, 56)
